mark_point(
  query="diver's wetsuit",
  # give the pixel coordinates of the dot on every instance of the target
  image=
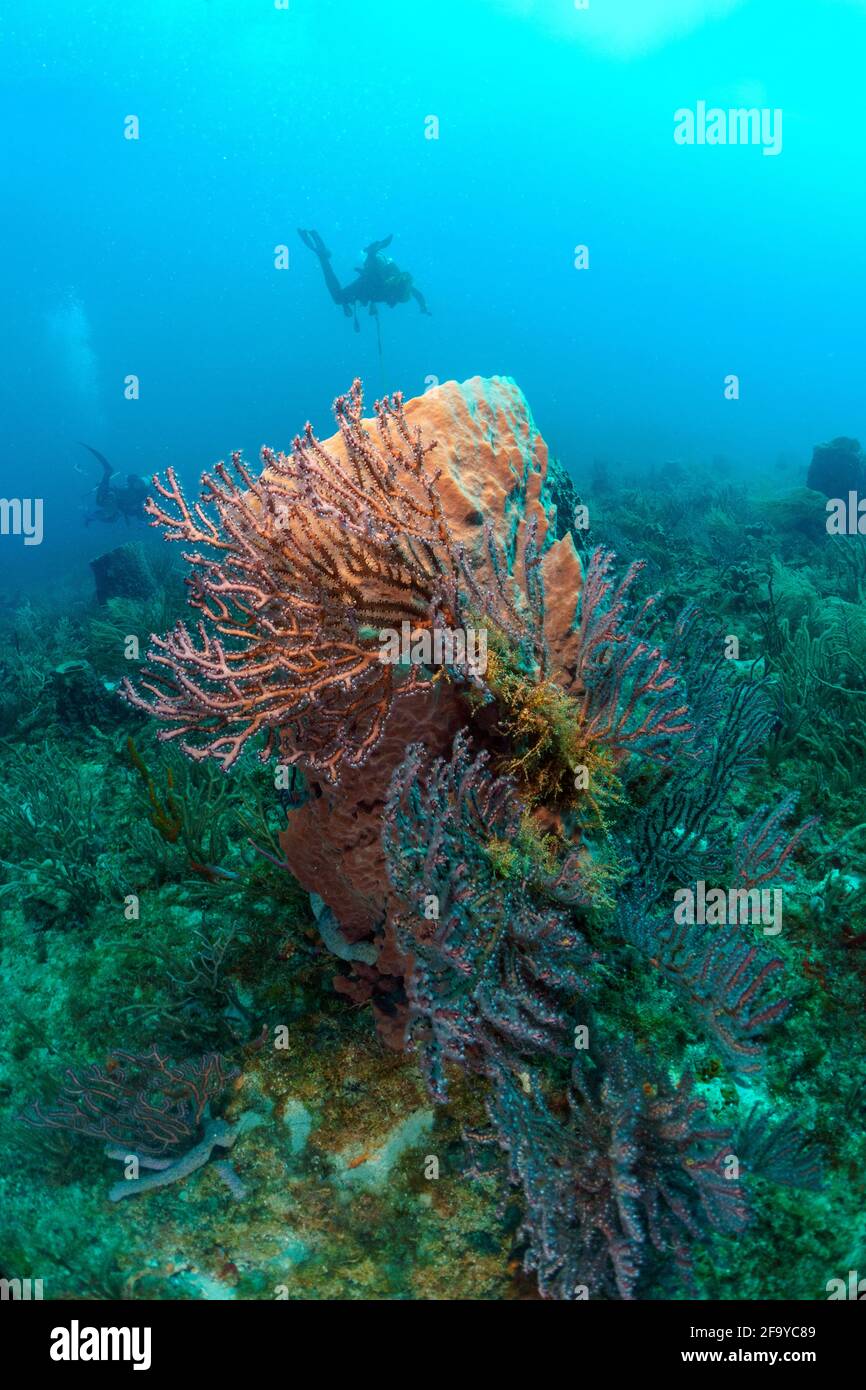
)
(380, 280)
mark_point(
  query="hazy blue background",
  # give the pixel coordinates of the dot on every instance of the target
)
(156, 257)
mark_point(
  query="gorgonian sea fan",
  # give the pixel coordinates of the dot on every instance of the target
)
(294, 574)
(631, 1169)
(627, 691)
(763, 849)
(494, 968)
(779, 1150)
(725, 979)
(144, 1102)
(679, 833)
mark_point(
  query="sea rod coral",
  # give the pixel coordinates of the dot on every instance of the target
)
(494, 852)
(149, 1112)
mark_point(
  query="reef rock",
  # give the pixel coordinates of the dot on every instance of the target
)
(122, 573)
(837, 468)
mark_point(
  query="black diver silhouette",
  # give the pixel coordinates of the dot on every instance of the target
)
(380, 280)
(116, 500)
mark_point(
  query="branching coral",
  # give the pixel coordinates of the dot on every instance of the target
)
(724, 978)
(493, 965)
(820, 663)
(779, 1150)
(567, 736)
(627, 690)
(147, 1108)
(148, 1103)
(311, 560)
(678, 832)
(52, 834)
(630, 1169)
(763, 848)
(191, 812)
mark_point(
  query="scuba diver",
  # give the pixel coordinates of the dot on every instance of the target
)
(380, 280)
(116, 500)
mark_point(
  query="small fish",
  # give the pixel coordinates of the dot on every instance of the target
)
(362, 1158)
(213, 871)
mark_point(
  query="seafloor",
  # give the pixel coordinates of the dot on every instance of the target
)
(332, 1194)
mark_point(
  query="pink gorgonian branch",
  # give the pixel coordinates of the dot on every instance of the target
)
(145, 1102)
(293, 574)
(628, 693)
(764, 847)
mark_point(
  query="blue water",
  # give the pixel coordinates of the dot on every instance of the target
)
(155, 256)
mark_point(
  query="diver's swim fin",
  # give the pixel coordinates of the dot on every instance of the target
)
(314, 241)
(97, 455)
(376, 246)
